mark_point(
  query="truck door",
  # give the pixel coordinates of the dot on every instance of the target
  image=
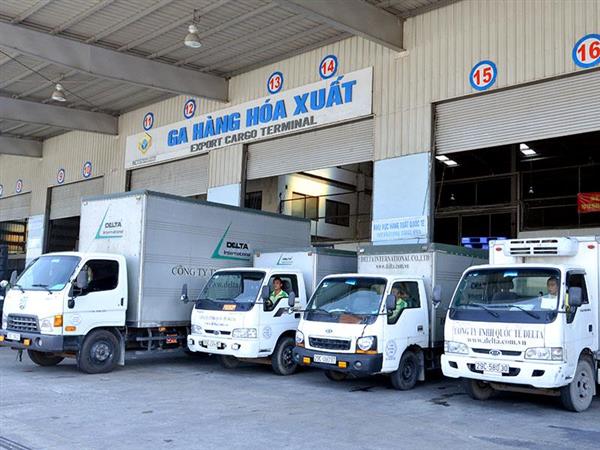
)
(102, 303)
(275, 319)
(408, 324)
(581, 330)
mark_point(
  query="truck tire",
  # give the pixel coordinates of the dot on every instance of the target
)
(282, 359)
(405, 378)
(99, 352)
(44, 359)
(577, 396)
(478, 390)
(228, 361)
(334, 375)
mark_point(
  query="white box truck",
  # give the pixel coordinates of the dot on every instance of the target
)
(122, 290)
(528, 321)
(239, 315)
(388, 317)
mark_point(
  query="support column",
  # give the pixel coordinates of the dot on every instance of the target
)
(402, 200)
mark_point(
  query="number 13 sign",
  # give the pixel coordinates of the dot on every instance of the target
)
(483, 75)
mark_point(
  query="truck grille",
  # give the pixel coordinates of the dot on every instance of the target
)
(22, 323)
(329, 344)
(504, 352)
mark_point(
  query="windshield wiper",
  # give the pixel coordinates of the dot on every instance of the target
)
(19, 286)
(45, 286)
(531, 313)
(321, 310)
(479, 305)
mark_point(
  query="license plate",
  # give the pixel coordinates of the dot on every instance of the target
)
(212, 344)
(13, 336)
(327, 359)
(492, 367)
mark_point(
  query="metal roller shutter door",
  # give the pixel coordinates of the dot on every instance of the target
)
(185, 177)
(65, 200)
(328, 147)
(544, 110)
(15, 207)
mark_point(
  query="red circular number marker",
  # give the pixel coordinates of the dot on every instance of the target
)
(586, 52)
(328, 66)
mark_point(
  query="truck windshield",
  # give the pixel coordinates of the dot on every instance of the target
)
(231, 291)
(507, 295)
(48, 273)
(346, 300)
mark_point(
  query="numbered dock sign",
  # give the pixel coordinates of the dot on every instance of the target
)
(148, 121)
(189, 109)
(19, 186)
(275, 82)
(60, 176)
(586, 52)
(328, 66)
(1, 190)
(483, 75)
(87, 170)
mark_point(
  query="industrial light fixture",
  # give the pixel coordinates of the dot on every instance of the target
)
(192, 39)
(531, 191)
(526, 150)
(58, 94)
(449, 162)
(452, 197)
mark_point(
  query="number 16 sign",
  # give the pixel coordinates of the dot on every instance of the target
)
(483, 75)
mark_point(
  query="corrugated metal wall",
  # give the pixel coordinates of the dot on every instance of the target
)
(13, 168)
(528, 39)
(225, 165)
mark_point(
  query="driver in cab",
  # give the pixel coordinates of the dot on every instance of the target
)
(402, 297)
(276, 294)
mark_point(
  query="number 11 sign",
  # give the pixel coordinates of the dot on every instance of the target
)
(483, 75)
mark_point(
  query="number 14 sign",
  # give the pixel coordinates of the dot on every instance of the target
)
(483, 75)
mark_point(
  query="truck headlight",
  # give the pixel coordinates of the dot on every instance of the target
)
(545, 353)
(366, 343)
(196, 329)
(248, 333)
(456, 347)
(299, 338)
(47, 325)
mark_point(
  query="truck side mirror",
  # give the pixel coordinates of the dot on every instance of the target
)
(81, 282)
(3, 284)
(437, 295)
(292, 299)
(575, 297)
(390, 302)
(13, 278)
(184, 294)
(265, 293)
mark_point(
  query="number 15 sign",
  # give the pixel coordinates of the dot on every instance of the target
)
(483, 75)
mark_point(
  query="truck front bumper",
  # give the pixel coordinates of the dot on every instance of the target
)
(353, 363)
(33, 341)
(537, 374)
(240, 348)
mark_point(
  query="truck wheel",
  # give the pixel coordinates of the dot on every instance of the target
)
(99, 352)
(334, 375)
(282, 360)
(478, 390)
(577, 396)
(44, 359)
(228, 361)
(405, 378)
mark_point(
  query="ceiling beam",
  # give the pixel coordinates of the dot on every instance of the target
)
(20, 147)
(112, 65)
(57, 116)
(354, 16)
(30, 11)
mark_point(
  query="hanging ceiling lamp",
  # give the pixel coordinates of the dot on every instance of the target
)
(192, 39)
(58, 94)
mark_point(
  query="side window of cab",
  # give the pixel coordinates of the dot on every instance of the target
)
(286, 283)
(407, 297)
(102, 275)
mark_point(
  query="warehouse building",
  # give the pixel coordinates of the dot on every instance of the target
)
(379, 120)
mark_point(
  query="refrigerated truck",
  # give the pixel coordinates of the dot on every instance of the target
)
(388, 317)
(528, 321)
(235, 320)
(122, 289)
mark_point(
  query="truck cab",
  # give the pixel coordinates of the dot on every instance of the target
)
(237, 316)
(67, 304)
(364, 324)
(528, 321)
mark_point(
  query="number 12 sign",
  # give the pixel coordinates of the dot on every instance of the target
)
(483, 75)
(586, 52)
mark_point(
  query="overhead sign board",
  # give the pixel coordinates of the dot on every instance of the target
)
(337, 99)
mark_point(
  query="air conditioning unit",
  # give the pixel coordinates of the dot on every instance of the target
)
(562, 246)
